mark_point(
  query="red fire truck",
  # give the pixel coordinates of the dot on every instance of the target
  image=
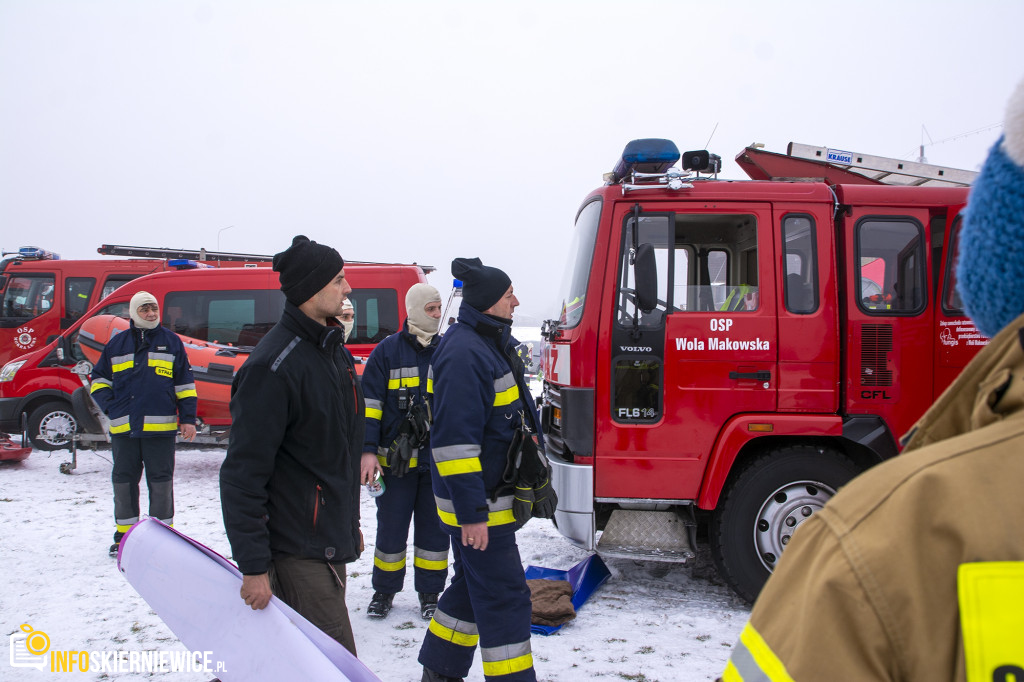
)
(42, 295)
(220, 312)
(730, 353)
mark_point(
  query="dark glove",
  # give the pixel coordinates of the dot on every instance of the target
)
(534, 497)
(419, 423)
(545, 500)
(522, 503)
(400, 454)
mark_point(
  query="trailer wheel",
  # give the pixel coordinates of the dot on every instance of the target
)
(765, 504)
(52, 425)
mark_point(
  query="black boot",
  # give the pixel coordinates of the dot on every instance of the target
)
(117, 543)
(430, 676)
(380, 605)
(428, 604)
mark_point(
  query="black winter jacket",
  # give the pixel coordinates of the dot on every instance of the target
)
(290, 481)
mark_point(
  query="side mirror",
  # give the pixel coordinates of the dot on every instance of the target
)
(645, 274)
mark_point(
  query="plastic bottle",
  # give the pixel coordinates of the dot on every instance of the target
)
(375, 488)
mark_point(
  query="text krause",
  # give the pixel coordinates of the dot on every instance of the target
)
(715, 343)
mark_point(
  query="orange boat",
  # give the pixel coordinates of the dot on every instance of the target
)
(213, 364)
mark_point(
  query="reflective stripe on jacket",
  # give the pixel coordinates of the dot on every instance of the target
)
(143, 382)
(478, 405)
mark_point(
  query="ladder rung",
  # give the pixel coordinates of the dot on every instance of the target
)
(887, 170)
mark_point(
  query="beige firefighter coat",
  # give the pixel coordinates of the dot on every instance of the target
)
(868, 588)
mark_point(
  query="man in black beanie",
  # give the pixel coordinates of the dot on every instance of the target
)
(289, 485)
(481, 405)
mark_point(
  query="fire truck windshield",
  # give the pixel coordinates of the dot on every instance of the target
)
(573, 290)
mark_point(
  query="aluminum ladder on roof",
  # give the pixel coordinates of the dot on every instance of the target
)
(883, 169)
(192, 254)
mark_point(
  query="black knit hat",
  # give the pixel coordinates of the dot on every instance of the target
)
(305, 268)
(482, 285)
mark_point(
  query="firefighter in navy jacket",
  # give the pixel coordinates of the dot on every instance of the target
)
(395, 383)
(143, 383)
(289, 485)
(478, 406)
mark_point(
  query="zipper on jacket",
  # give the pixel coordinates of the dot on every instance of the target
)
(355, 393)
(317, 503)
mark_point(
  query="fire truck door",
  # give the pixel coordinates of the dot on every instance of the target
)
(890, 332)
(957, 340)
(707, 354)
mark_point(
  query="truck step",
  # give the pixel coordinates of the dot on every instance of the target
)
(654, 535)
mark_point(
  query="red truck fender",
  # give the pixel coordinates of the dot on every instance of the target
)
(742, 429)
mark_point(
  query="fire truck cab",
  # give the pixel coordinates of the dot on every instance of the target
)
(733, 352)
(41, 295)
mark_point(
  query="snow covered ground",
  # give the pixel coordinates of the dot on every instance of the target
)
(642, 625)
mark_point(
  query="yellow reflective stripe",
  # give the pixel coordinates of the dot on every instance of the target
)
(508, 666)
(430, 385)
(123, 528)
(97, 385)
(383, 461)
(991, 596)
(763, 656)
(429, 564)
(466, 465)
(169, 426)
(730, 674)
(161, 363)
(120, 428)
(389, 565)
(449, 635)
(187, 393)
(407, 382)
(506, 397)
(372, 413)
(121, 366)
(496, 518)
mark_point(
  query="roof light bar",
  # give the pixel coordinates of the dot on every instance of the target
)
(36, 253)
(646, 155)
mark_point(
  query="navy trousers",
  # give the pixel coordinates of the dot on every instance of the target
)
(130, 455)
(406, 499)
(487, 603)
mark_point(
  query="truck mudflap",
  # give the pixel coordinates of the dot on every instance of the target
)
(574, 516)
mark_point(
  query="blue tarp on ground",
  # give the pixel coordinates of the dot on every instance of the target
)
(584, 578)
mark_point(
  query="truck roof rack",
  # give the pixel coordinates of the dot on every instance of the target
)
(192, 254)
(804, 161)
(204, 255)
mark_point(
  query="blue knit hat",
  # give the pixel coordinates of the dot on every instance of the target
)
(990, 268)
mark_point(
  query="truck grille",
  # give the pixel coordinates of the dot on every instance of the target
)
(552, 431)
(875, 346)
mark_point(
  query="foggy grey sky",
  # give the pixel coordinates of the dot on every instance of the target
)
(421, 131)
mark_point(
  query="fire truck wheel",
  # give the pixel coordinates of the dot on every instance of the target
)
(765, 503)
(51, 426)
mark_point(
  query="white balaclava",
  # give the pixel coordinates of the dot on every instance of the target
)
(141, 298)
(349, 325)
(423, 326)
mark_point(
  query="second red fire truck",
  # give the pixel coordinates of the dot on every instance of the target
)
(733, 352)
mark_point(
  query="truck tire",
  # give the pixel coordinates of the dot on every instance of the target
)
(765, 504)
(51, 426)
